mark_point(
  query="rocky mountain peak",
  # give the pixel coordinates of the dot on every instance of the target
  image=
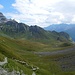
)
(2, 18)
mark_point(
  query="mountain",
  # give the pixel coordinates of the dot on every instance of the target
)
(22, 31)
(68, 28)
(2, 18)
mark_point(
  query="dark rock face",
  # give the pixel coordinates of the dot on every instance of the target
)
(15, 27)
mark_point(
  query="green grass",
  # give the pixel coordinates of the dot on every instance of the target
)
(24, 50)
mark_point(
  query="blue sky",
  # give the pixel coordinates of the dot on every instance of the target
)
(7, 6)
(39, 12)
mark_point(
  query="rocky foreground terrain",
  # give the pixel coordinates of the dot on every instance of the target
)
(5, 71)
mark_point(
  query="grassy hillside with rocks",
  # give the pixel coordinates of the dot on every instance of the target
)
(22, 57)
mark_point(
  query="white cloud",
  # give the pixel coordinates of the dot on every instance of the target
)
(44, 12)
(1, 6)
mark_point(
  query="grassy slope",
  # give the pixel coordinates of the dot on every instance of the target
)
(24, 50)
(12, 49)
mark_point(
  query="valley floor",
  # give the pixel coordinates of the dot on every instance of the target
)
(65, 58)
(65, 51)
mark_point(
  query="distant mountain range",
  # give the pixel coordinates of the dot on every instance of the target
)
(68, 28)
(22, 31)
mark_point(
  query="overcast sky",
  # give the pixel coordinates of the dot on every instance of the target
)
(39, 12)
